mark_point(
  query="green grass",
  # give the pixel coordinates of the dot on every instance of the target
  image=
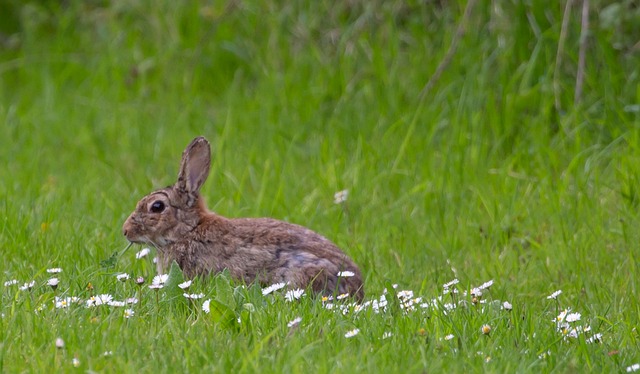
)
(482, 179)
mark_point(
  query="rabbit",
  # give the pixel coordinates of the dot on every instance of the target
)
(176, 221)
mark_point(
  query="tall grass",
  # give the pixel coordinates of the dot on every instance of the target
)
(483, 178)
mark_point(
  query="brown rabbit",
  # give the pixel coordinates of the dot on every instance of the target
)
(177, 223)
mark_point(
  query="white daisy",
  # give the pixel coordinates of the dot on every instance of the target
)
(116, 303)
(185, 285)
(53, 282)
(486, 329)
(54, 270)
(59, 343)
(342, 296)
(387, 335)
(597, 338)
(128, 313)
(131, 300)
(143, 253)
(632, 368)
(294, 322)
(486, 285)
(75, 362)
(193, 296)
(352, 333)
(346, 274)
(554, 295)
(27, 286)
(406, 294)
(205, 306)
(10, 282)
(160, 279)
(449, 337)
(61, 303)
(294, 294)
(340, 196)
(122, 277)
(563, 314)
(573, 317)
(507, 305)
(97, 300)
(329, 306)
(452, 283)
(273, 287)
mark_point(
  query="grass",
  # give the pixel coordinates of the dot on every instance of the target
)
(483, 179)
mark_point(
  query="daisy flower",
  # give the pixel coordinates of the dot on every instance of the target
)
(185, 285)
(560, 319)
(116, 303)
(387, 335)
(573, 317)
(159, 280)
(61, 303)
(554, 295)
(452, 283)
(346, 274)
(597, 338)
(128, 313)
(143, 253)
(10, 282)
(507, 305)
(53, 282)
(54, 270)
(205, 306)
(294, 322)
(99, 300)
(59, 343)
(449, 337)
(352, 333)
(294, 294)
(103, 299)
(342, 296)
(27, 286)
(406, 294)
(75, 362)
(193, 296)
(486, 329)
(122, 277)
(632, 368)
(486, 285)
(273, 287)
(340, 196)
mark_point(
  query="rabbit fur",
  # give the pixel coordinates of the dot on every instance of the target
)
(176, 221)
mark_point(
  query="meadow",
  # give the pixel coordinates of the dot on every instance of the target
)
(490, 150)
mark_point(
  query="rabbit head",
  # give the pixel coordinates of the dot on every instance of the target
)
(166, 215)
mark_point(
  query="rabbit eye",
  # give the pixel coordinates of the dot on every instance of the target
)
(157, 206)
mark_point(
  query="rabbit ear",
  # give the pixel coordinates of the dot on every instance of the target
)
(194, 169)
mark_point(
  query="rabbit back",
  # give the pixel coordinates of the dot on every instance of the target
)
(267, 251)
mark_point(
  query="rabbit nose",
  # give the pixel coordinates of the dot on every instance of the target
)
(124, 231)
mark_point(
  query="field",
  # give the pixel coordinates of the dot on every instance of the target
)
(491, 158)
